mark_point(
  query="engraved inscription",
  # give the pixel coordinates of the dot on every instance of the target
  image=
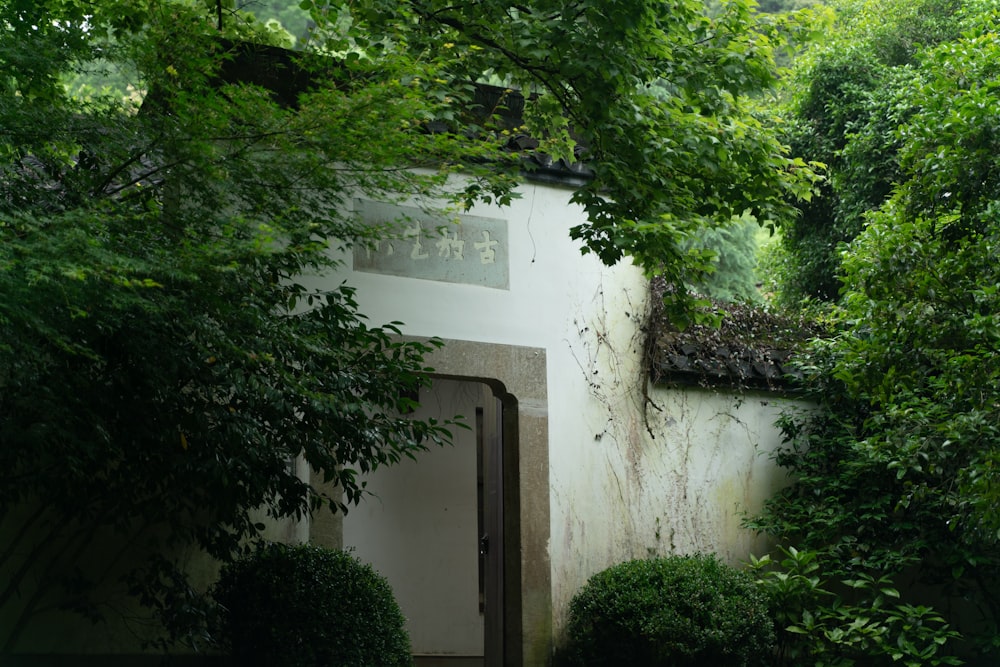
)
(473, 250)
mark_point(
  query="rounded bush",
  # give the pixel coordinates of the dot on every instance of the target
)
(303, 606)
(670, 612)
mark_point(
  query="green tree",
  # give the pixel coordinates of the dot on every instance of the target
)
(657, 96)
(733, 247)
(288, 13)
(846, 98)
(159, 363)
(897, 473)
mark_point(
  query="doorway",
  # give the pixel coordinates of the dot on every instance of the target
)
(434, 528)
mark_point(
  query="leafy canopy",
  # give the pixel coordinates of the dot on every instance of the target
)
(845, 99)
(160, 367)
(160, 363)
(897, 473)
(656, 96)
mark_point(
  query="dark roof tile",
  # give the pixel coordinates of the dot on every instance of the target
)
(752, 348)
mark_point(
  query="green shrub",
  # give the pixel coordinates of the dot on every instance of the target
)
(673, 611)
(303, 606)
(858, 622)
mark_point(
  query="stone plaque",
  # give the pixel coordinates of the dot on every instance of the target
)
(450, 248)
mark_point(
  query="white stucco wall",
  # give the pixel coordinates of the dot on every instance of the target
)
(679, 480)
(632, 471)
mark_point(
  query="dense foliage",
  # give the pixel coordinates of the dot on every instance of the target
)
(289, 15)
(849, 622)
(897, 471)
(732, 276)
(161, 366)
(302, 606)
(846, 97)
(669, 612)
(657, 95)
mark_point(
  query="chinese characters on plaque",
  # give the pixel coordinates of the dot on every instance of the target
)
(473, 250)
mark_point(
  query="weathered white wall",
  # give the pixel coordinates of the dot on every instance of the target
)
(632, 471)
(679, 480)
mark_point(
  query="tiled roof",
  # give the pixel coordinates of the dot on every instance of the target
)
(752, 348)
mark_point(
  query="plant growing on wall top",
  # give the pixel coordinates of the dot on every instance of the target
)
(747, 346)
